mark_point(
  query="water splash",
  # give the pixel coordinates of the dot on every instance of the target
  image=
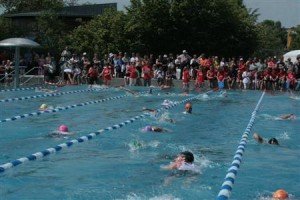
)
(284, 136)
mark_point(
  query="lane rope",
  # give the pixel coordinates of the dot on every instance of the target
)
(230, 177)
(20, 89)
(48, 95)
(46, 152)
(22, 116)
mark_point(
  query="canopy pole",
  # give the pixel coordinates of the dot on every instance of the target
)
(17, 68)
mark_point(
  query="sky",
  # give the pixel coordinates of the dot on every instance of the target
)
(285, 11)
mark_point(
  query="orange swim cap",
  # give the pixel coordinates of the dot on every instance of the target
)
(280, 194)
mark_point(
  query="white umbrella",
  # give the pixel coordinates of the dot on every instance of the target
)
(292, 54)
(17, 43)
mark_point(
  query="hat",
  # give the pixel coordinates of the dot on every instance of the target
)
(241, 59)
(184, 51)
(84, 53)
(165, 56)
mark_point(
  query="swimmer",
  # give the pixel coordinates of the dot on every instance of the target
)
(188, 108)
(165, 87)
(150, 91)
(149, 110)
(46, 90)
(128, 90)
(153, 128)
(184, 161)
(260, 140)
(280, 195)
(62, 130)
(288, 116)
(43, 107)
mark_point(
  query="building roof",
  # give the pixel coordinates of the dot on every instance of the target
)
(88, 10)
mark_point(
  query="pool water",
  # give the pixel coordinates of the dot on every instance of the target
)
(127, 163)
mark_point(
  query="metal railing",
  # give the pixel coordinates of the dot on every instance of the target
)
(6, 75)
(29, 78)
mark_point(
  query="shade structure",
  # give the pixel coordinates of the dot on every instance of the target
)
(292, 54)
(18, 43)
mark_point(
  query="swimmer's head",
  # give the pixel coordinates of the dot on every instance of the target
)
(63, 128)
(258, 138)
(280, 195)
(147, 128)
(188, 156)
(188, 107)
(43, 106)
(273, 141)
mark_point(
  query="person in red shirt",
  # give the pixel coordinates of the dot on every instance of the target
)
(133, 74)
(290, 79)
(281, 79)
(106, 74)
(274, 79)
(266, 78)
(92, 75)
(199, 79)
(211, 76)
(185, 79)
(146, 71)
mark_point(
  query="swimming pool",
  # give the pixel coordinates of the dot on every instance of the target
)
(112, 166)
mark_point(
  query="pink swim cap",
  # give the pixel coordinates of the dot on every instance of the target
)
(63, 128)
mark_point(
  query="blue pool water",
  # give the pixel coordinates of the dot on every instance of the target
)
(111, 167)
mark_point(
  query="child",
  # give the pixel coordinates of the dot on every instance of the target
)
(259, 139)
(184, 161)
(185, 79)
(199, 79)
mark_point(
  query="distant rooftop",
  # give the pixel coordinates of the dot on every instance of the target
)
(89, 10)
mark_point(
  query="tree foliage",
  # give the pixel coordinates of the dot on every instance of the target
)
(103, 34)
(50, 31)
(272, 38)
(213, 26)
(295, 34)
(15, 6)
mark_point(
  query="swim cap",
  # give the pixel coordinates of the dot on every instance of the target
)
(63, 128)
(147, 128)
(43, 106)
(280, 194)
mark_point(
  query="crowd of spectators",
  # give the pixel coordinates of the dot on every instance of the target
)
(271, 73)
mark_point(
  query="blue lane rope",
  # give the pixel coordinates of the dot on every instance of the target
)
(20, 89)
(47, 95)
(14, 118)
(82, 139)
(227, 185)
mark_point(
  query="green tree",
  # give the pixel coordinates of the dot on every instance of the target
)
(150, 26)
(295, 34)
(272, 38)
(222, 27)
(15, 6)
(50, 31)
(103, 34)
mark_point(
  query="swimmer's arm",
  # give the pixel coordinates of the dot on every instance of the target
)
(171, 166)
(147, 109)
